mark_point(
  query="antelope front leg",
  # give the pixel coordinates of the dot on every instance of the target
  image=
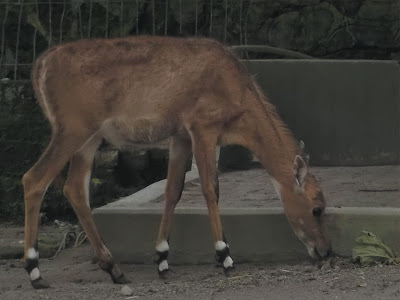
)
(204, 152)
(179, 155)
(77, 191)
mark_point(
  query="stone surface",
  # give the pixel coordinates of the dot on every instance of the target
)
(261, 234)
(254, 232)
(126, 291)
(377, 186)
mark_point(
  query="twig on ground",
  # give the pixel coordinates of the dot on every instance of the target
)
(80, 242)
(62, 244)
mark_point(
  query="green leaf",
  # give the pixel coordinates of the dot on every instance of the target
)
(369, 250)
(96, 181)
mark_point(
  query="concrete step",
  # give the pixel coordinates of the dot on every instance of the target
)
(130, 227)
(254, 234)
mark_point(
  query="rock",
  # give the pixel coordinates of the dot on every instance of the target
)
(281, 278)
(364, 284)
(59, 223)
(126, 291)
(350, 8)
(374, 11)
(305, 30)
(377, 27)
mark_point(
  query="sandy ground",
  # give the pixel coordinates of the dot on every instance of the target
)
(72, 275)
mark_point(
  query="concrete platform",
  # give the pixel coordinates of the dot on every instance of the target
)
(130, 225)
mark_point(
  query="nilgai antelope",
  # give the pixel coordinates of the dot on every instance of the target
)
(145, 89)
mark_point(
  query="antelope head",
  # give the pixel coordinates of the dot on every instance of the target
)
(304, 205)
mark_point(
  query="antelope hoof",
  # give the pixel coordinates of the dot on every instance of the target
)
(39, 284)
(163, 269)
(229, 270)
(117, 275)
(163, 274)
(121, 279)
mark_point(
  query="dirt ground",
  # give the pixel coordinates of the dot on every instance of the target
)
(72, 275)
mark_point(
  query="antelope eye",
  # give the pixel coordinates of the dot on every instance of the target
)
(317, 212)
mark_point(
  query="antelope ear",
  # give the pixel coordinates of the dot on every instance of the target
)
(300, 170)
(305, 156)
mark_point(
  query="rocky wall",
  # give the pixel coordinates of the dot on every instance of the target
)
(368, 29)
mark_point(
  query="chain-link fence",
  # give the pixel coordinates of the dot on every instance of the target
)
(28, 27)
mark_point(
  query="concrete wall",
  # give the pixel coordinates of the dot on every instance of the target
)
(346, 111)
(254, 234)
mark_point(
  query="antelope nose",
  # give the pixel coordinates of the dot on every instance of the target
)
(323, 253)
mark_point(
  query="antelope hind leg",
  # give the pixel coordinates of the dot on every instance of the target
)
(36, 182)
(77, 191)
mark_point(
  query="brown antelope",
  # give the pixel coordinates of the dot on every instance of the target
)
(146, 89)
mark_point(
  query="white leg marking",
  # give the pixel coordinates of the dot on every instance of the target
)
(162, 246)
(163, 265)
(32, 254)
(228, 262)
(220, 245)
(35, 274)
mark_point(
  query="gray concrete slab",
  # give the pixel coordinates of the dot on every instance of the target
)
(346, 111)
(130, 226)
(254, 234)
(376, 186)
(149, 193)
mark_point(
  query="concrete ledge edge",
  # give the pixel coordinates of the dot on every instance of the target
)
(150, 192)
(376, 211)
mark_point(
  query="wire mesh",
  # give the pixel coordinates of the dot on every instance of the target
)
(29, 27)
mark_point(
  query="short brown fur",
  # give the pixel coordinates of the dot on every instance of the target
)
(146, 89)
